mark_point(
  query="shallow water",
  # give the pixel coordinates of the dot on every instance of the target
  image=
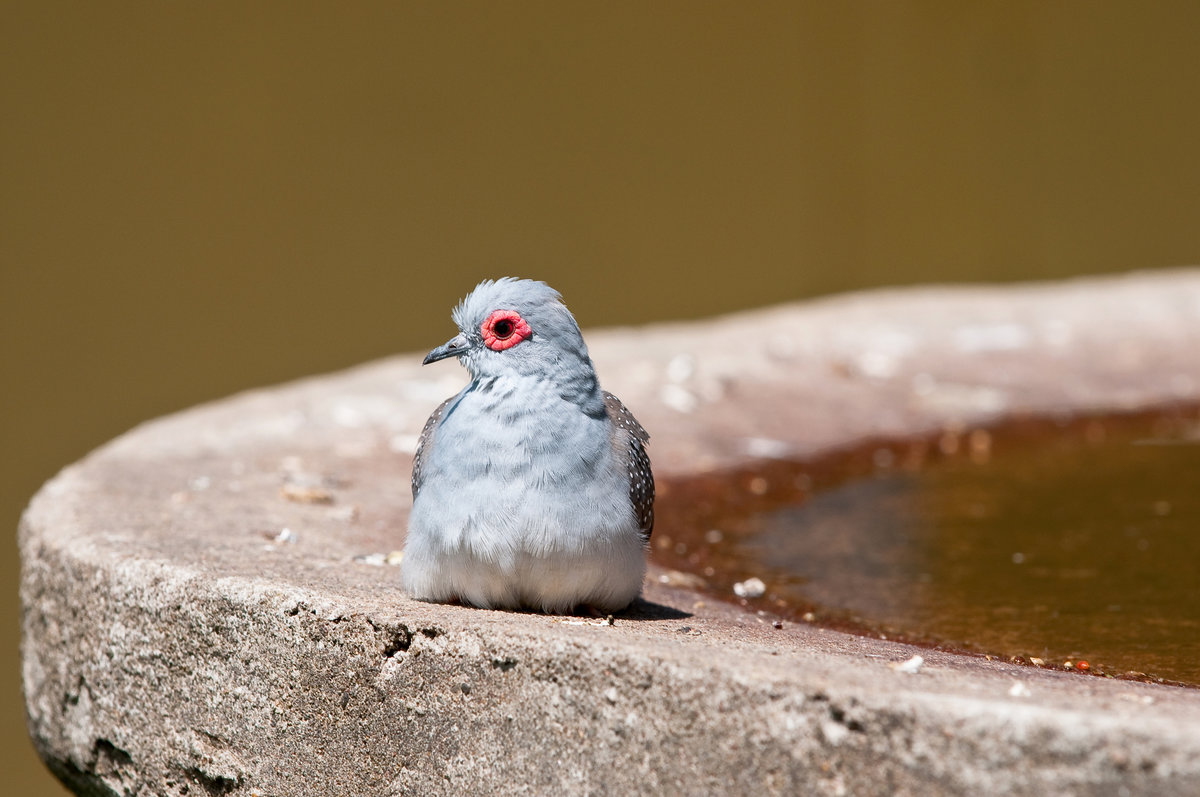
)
(1046, 541)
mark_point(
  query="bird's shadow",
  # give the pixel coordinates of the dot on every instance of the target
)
(642, 609)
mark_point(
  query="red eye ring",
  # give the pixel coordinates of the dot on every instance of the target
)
(504, 329)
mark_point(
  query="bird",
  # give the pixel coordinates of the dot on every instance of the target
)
(532, 488)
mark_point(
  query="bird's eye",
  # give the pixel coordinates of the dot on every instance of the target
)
(504, 329)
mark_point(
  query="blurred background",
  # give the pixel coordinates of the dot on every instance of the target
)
(198, 198)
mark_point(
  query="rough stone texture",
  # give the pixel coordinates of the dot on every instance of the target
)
(179, 641)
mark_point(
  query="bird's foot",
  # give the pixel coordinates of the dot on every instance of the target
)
(587, 610)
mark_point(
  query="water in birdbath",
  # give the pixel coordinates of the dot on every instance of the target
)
(1068, 543)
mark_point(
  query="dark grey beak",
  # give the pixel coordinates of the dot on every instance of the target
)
(455, 347)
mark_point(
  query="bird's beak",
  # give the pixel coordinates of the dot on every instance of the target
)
(454, 347)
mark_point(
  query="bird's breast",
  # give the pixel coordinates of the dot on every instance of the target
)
(515, 474)
(514, 432)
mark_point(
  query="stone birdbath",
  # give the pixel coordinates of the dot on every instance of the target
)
(211, 604)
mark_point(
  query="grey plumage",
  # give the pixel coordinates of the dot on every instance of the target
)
(532, 486)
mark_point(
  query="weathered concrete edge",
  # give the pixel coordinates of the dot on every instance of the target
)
(584, 709)
(783, 709)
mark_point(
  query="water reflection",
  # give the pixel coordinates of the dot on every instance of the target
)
(1071, 541)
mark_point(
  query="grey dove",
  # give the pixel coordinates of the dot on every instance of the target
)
(531, 487)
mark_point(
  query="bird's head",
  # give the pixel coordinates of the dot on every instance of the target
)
(516, 327)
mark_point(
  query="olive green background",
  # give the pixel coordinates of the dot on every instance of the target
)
(197, 198)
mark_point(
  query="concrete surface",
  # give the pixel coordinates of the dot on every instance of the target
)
(210, 608)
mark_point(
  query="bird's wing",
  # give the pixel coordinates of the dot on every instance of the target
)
(425, 443)
(629, 440)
